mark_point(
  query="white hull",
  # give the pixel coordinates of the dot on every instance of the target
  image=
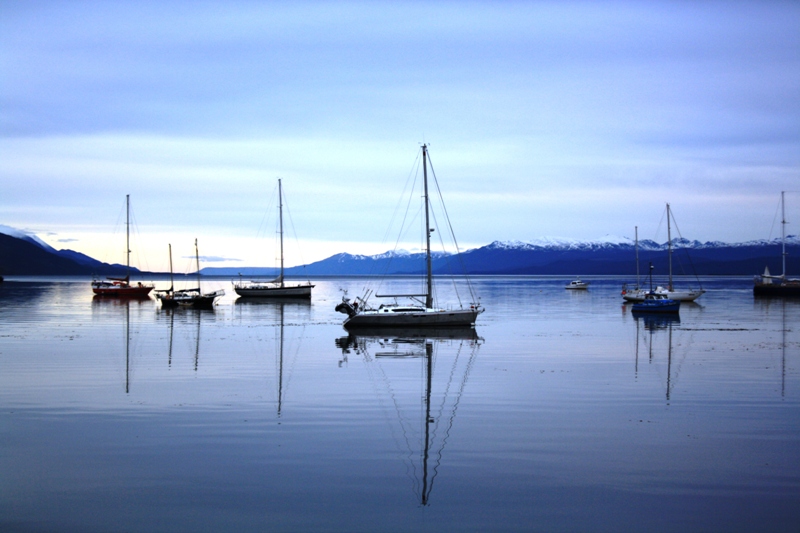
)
(266, 291)
(680, 296)
(413, 319)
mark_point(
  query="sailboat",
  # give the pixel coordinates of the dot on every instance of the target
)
(193, 297)
(654, 302)
(780, 286)
(639, 294)
(361, 315)
(167, 297)
(276, 288)
(121, 287)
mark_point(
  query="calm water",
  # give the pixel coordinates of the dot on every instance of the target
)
(566, 414)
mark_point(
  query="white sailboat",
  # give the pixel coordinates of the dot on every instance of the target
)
(275, 288)
(639, 294)
(421, 314)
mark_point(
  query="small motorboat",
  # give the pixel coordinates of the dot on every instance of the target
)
(577, 285)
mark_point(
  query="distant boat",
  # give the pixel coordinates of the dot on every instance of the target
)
(361, 315)
(192, 297)
(639, 295)
(654, 302)
(121, 287)
(778, 286)
(577, 285)
(276, 288)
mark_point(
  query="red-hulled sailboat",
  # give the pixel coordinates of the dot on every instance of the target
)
(121, 287)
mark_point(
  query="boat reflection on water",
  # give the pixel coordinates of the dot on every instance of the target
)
(656, 323)
(191, 317)
(271, 301)
(406, 365)
(273, 310)
(768, 306)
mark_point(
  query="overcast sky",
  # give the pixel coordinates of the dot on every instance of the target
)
(571, 119)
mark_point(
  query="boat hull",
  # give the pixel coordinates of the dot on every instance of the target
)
(191, 300)
(129, 291)
(296, 291)
(416, 319)
(650, 306)
(777, 290)
(678, 296)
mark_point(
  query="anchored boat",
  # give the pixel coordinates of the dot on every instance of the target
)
(421, 313)
(275, 288)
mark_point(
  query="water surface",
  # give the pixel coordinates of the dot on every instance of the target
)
(564, 413)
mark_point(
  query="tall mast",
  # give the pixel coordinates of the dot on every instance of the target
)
(197, 257)
(428, 420)
(280, 218)
(636, 233)
(171, 276)
(669, 243)
(429, 295)
(128, 235)
(783, 236)
(127, 347)
(280, 368)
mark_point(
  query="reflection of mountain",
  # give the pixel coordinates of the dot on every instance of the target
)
(405, 370)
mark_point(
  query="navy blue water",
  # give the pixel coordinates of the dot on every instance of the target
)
(566, 414)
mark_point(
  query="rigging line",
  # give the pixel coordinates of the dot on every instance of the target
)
(451, 420)
(403, 226)
(689, 257)
(111, 242)
(774, 220)
(137, 237)
(261, 231)
(452, 233)
(452, 276)
(294, 232)
(414, 172)
(411, 469)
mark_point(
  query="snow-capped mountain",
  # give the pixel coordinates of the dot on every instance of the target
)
(22, 253)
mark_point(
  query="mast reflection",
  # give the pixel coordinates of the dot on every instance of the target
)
(652, 324)
(390, 355)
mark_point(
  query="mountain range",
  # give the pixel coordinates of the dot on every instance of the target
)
(24, 254)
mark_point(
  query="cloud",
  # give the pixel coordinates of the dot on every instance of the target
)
(212, 258)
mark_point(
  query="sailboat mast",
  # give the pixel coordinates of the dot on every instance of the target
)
(280, 218)
(128, 235)
(127, 347)
(783, 237)
(171, 276)
(428, 420)
(197, 258)
(429, 295)
(669, 244)
(280, 368)
(636, 244)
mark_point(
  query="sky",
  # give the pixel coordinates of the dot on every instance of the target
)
(544, 119)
